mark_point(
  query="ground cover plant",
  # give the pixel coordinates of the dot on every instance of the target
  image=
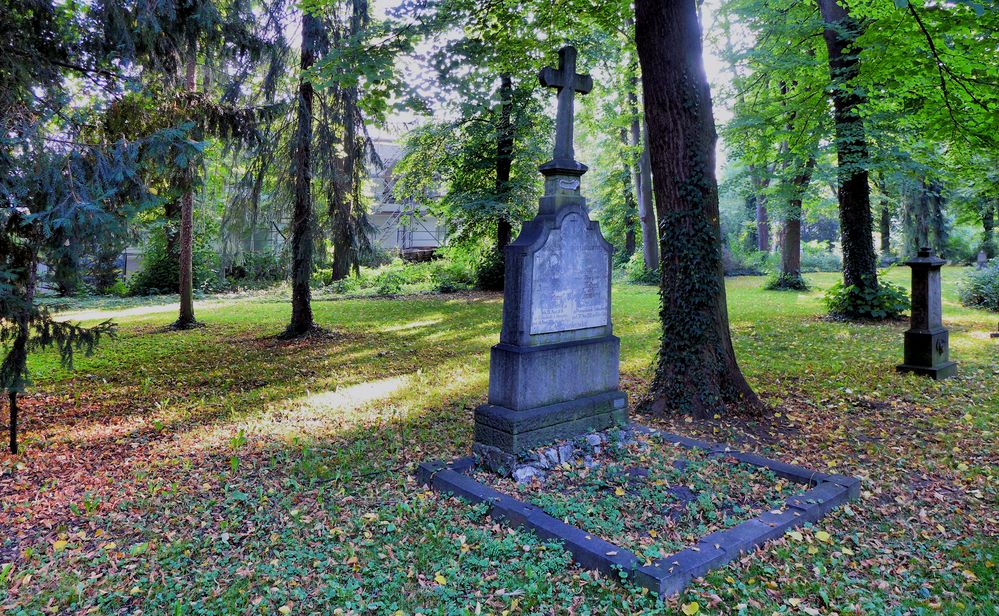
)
(650, 497)
(220, 470)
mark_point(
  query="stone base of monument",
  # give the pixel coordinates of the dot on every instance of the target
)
(926, 354)
(664, 576)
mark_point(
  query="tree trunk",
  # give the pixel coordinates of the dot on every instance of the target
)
(643, 175)
(301, 238)
(752, 234)
(18, 355)
(646, 205)
(790, 261)
(988, 226)
(762, 225)
(884, 226)
(630, 205)
(854, 193)
(697, 371)
(186, 258)
(504, 159)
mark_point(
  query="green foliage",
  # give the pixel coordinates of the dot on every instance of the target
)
(741, 260)
(980, 288)
(778, 281)
(637, 273)
(884, 301)
(259, 266)
(816, 257)
(160, 274)
(490, 271)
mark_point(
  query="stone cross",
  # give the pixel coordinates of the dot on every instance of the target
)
(568, 82)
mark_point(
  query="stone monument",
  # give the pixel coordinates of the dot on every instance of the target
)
(983, 260)
(554, 373)
(927, 349)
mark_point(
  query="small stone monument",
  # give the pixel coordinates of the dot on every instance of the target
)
(554, 374)
(926, 343)
(983, 260)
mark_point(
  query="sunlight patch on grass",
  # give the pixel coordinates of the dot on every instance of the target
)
(354, 396)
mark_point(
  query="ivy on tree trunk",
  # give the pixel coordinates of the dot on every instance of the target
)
(696, 371)
(853, 191)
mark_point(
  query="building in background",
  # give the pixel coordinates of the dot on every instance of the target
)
(401, 227)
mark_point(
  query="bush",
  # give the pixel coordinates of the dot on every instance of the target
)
(785, 282)
(489, 271)
(160, 274)
(741, 261)
(637, 273)
(885, 301)
(262, 266)
(980, 288)
(816, 257)
(389, 283)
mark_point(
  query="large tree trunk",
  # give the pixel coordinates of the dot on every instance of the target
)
(790, 262)
(301, 238)
(697, 371)
(854, 192)
(504, 159)
(18, 355)
(186, 257)
(630, 206)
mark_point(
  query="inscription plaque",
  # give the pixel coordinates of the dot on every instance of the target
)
(570, 286)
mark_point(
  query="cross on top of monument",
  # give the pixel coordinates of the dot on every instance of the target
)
(568, 82)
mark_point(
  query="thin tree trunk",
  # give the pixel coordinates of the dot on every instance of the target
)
(504, 158)
(642, 174)
(752, 235)
(630, 206)
(301, 239)
(186, 262)
(790, 263)
(854, 194)
(988, 226)
(697, 372)
(18, 355)
(884, 227)
(762, 225)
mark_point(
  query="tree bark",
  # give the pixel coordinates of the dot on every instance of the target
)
(643, 175)
(504, 159)
(302, 230)
(762, 225)
(988, 226)
(854, 193)
(186, 258)
(697, 372)
(630, 205)
(790, 262)
(884, 224)
(12, 403)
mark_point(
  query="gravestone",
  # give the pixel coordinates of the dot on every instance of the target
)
(927, 345)
(983, 260)
(554, 373)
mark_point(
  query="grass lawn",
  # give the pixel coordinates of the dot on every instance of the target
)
(220, 470)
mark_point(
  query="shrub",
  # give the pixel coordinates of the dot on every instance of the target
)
(785, 282)
(389, 283)
(637, 273)
(885, 301)
(741, 261)
(160, 274)
(489, 271)
(261, 266)
(816, 257)
(980, 288)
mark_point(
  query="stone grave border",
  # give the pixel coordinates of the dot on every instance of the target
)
(665, 576)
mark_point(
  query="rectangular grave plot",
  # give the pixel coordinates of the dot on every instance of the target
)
(660, 560)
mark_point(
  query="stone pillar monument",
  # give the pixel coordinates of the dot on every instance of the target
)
(554, 374)
(927, 349)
